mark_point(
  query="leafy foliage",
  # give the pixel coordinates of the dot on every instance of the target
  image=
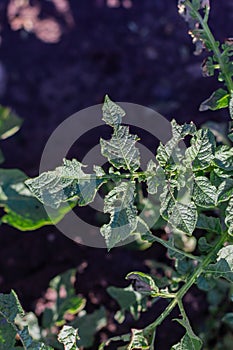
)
(188, 182)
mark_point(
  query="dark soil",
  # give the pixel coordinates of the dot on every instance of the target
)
(140, 54)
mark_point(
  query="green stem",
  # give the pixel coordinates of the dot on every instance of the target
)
(183, 290)
(176, 250)
(214, 47)
(182, 311)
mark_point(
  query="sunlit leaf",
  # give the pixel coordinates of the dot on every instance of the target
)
(203, 192)
(65, 183)
(112, 113)
(120, 150)
(201, 151)
(138, 340)
(119, 203)
(182, 217)
(219, 99)
(224, 158)
(69, 336)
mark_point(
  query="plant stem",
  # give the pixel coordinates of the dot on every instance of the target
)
(183, 290)
(176, 250)
(215, 49)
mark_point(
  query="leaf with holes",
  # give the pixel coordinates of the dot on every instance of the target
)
(121, 151)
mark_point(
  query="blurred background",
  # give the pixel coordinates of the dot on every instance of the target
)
(60, 56)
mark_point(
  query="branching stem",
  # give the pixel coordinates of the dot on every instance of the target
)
(203, 22)
(184, 289)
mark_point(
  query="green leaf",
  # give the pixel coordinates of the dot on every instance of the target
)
(225, 190)
(23, 210)
(203, 245)
(154, 177)
(224, 158)
(189, 341)
(9, 122)
(169, 154)
(10, 306)
(206, 283)
(229, 217)
(129, 300)
(65, 183)
(119, 203)
(138, 340)
(219, 99)
(143, 283)
(224, 265)
(142, 228)
(29, 343)
(88, 325)
(180, 131)
(209, 223)
(121, 151)
(201, 151)
(182, 217)
(112, 113)
(71, 306)
(7, 335)
(69, 336)
(204, 194)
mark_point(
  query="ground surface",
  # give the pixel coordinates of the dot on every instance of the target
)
(58, 57)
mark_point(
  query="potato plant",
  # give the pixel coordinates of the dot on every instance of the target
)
(195, 189)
